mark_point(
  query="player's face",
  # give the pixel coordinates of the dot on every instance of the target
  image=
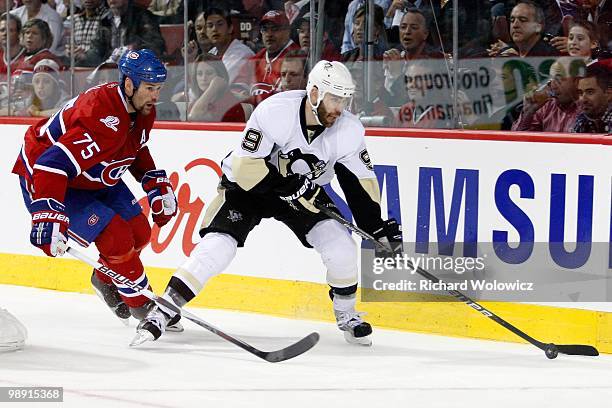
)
(33, 39)
(579, 43)
(205, 73)
(145, 97)
(217, 30)
(331, 108)
(44, 86)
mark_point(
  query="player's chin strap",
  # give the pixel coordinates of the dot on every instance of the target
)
(129, 98)
(314, 108)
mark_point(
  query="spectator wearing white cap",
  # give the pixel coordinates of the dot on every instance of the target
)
(49, 94)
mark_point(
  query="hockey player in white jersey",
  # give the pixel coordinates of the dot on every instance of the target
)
(294, 143)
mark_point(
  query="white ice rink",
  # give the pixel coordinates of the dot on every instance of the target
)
(75, 342)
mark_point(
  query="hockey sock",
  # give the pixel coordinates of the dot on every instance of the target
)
(116, 246)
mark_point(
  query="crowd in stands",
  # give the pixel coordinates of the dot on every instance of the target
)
(522, 65)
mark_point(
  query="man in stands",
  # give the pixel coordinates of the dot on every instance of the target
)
(555, 112)
(413, 33)
(526, 29)
(595, 96)
(262, 72)
(233, 52)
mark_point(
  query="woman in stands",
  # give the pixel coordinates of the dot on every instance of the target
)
(210, 99)
(49, 94)
(36, 38)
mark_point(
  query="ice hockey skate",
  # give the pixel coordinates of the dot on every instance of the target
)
(154, 325)
(110, 296)
(355, 329)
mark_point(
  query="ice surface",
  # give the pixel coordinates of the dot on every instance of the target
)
(75, 342)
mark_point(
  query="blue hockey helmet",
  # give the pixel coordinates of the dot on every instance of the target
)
(141, 65)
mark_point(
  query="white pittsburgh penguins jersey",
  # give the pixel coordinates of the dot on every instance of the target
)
(275, 133)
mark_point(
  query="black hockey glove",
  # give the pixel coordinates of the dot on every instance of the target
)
(302, 194)
(390, 235)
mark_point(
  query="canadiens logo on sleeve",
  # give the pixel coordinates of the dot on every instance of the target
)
(111, 122)
(93, 220)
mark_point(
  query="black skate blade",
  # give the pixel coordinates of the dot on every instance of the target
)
(577, 350)
(291, 351)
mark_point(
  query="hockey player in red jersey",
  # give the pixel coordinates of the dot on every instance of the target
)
(70, 168)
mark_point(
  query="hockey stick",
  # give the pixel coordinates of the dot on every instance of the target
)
(550, 349)
(286, 353)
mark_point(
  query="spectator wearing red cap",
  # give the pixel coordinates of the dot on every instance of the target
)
(49, 94)
(262, 72)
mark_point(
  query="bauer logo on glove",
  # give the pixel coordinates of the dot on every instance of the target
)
(49, 226)
(160, 196)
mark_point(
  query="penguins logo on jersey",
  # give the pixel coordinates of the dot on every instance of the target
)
(296, 162)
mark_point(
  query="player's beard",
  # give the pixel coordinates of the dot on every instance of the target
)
(144, 109)
(325, 117)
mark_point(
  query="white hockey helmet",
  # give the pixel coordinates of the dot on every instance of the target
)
(333, 77)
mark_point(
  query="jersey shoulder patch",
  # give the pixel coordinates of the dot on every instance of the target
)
(252, 140)
(364, 156)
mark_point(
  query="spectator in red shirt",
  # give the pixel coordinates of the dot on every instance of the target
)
(262, 72)
(36, 38)
(16, 51)
(553, 109)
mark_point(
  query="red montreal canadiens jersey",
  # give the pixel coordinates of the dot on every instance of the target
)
(91, 140)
